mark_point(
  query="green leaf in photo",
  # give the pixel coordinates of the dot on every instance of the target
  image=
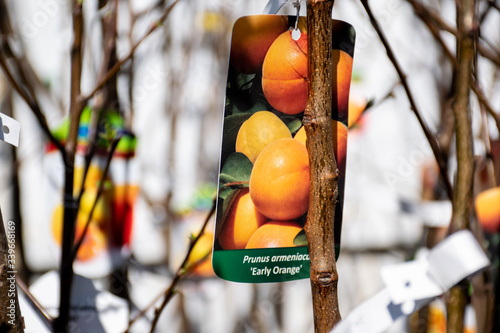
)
(237, 168)
(300, 239)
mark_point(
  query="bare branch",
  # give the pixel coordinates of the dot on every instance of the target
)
(33, 105)
(430, 137)
(60, 324)
(100, 190)
(116, 67)
(324, 173)
(181, 272)
(423, 11)
(481, 96)
(42, 312)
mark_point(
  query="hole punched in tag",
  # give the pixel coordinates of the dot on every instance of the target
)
(5, 129)
(296, 31)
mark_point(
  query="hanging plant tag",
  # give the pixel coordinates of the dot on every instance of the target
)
(9, 130)
(264, 172)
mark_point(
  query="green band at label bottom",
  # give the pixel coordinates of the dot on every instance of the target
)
(263, 265)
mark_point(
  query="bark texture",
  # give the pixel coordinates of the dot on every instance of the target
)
(463, 195)
(323, 197)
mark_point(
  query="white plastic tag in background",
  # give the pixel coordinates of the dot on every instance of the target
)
(377, 314)
(432, 213)
(9, 130)
(411, 285)
(92, 309)
(273, 6)
(436, 213)
(452, 260)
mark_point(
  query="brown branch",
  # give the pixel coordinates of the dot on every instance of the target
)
(481, 96)
(422, 10)
(442, 163)
(116, 67)
(422, 13)
(37, 306)
(100, 190)
(463, 194)
(60, 324)
(32, 104)
(181, 271)
(323, 197)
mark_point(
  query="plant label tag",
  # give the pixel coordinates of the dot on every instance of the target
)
(264, 182)
(457, 257)
(377, 314)
(411, 285)
(273, 6)
(9, 130)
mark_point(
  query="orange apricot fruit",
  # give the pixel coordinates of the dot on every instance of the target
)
(274, 234)
(342, 72)
(279, 182)
(241, 222)
(487, 205)
(252, 37)
(339, 132)
(262, 128)
(284, 74)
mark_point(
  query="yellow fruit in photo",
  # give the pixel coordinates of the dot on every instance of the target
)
(258, 131)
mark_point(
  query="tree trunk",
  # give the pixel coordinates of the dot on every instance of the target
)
(10, 315)
(323, 197)
(463, 196)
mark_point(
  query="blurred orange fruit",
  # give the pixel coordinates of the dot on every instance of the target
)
(487, 206)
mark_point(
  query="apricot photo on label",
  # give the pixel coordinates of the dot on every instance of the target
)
(264, 179)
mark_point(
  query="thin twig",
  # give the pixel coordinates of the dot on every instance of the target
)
(100, 189)
(430, 137)
(60, 324)
(481, 96)
(37, 306)
(33, 105)
(434, 29)
(181, 272)
(423, 10)
(116, 67)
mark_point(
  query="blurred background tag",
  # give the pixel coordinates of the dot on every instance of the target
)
(9, 130)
